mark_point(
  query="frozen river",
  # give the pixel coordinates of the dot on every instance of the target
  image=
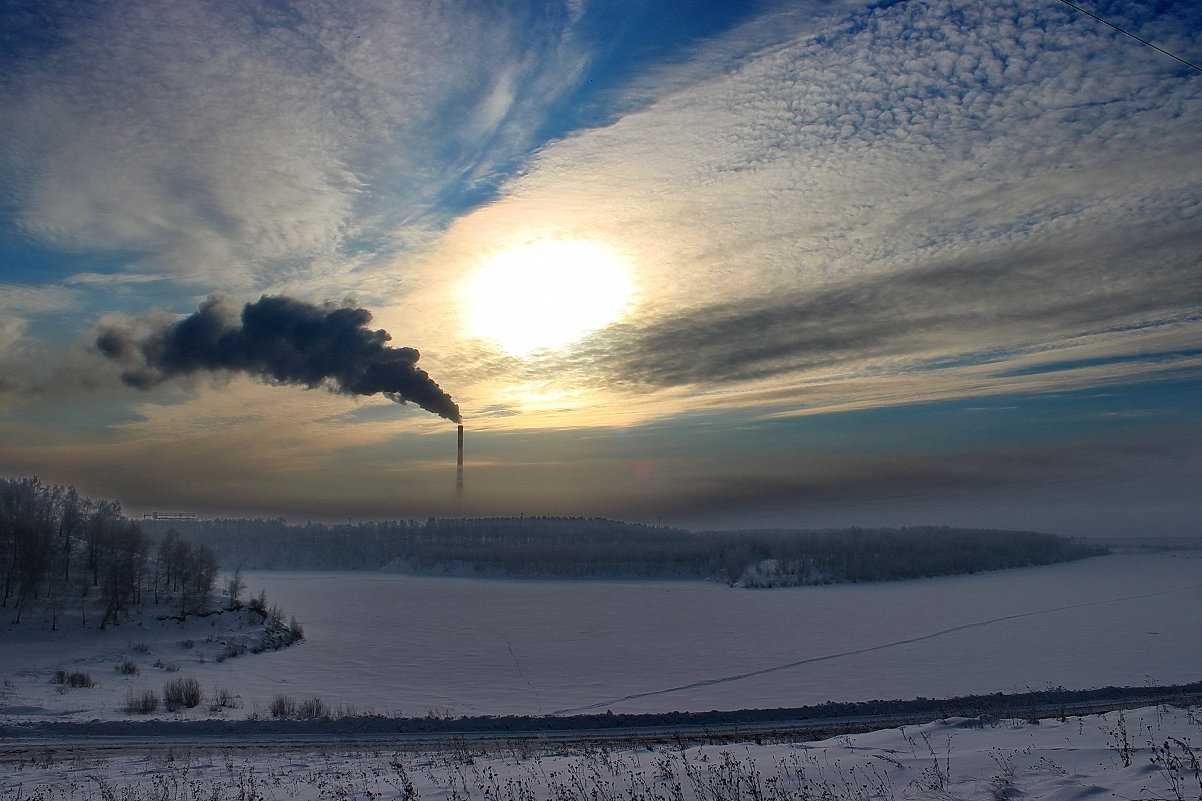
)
(403, 644)
(394, 644)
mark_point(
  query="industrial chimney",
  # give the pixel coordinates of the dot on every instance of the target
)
(459, 465)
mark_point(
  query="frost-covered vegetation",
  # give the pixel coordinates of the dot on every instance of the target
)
(66, 557)
(1147, 754)
(598, 548)
(64, 553)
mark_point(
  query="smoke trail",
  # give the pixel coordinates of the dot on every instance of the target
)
(281, 340)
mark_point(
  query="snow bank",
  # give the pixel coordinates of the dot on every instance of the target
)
(1143, 753)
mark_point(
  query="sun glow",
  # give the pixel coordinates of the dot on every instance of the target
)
(546, 294)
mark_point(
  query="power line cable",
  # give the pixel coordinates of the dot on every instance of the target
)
(1133, 36)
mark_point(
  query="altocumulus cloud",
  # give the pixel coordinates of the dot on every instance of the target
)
(921, 182)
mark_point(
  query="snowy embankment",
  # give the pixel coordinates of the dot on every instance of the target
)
(83, 673)
(809, 722)
(1144, 754)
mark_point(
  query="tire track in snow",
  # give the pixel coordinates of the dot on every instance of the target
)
(869, 649)
(522, 674)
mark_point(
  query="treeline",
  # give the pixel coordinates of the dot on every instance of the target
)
(599, 548)
(776, 559)
(65, 553)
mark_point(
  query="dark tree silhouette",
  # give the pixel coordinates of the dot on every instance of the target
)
(598, 548)
(58, 547)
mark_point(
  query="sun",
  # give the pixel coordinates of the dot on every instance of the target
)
(546, 294)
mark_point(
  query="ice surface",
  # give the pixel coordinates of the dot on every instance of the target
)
(396, 644)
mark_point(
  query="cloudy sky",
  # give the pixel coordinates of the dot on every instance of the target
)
(803, 263)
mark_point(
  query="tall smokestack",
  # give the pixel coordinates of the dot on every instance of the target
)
(459, 465)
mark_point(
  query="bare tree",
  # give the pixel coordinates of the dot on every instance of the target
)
(234, 587)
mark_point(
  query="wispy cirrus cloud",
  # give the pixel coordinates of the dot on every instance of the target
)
(21, 299)
(18, 302)
(248, 145)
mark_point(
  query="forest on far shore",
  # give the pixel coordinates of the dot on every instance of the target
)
(71, 553)
(596, 548)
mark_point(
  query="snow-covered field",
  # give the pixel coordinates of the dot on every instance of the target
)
(1137, 754)
(394, 644)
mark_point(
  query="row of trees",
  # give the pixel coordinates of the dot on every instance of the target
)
(62, 552)
(598, 548)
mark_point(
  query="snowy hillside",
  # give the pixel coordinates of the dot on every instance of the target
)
(85, 672)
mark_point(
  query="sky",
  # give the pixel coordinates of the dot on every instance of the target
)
(790, 264)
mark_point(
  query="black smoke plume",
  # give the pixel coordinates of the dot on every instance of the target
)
(282, 341)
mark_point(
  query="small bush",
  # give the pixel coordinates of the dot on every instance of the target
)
(312, 708)
(283, 706)
(182, 694)
(140, 702)
(127, 667)
(140, 646)
(76, 679)
(232, 650)
(222, 699)
(187, 644)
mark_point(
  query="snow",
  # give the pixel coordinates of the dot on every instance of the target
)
(1136, 754)
(395, 644)
(161, 650)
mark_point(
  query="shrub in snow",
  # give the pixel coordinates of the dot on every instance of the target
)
(258, 603)
(127, 667)
(140, 703)
(232, 650)
(283, 706)
(75, 679)
(312, 708)
(222, 699)
(181, 694)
